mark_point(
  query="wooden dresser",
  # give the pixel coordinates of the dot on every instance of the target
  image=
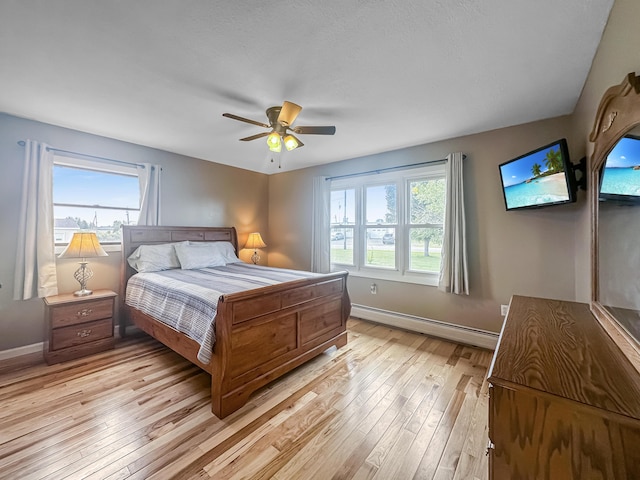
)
(564, 401)
(78, 326)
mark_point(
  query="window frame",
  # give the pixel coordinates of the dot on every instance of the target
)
(402, 178)
(96, 166)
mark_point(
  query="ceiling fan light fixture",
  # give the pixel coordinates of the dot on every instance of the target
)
(274, 142)
(291, 142)
(281, 120)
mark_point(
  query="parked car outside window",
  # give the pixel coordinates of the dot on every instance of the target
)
(388, 239)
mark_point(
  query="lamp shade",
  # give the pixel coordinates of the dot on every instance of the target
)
(83, 245)
(255, 241)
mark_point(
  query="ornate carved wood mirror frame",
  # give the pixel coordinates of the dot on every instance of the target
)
(618, 113)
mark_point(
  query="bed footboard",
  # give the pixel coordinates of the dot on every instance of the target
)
(265, 333)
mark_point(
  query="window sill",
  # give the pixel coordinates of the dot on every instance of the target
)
(428, 279)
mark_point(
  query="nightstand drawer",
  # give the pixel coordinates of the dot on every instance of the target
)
(81, 334)
(66, 315)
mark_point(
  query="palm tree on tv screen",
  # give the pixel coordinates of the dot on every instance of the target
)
(535, 169)
(553, 160)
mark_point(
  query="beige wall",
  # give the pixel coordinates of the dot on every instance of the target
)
(194, 192)
(617, 55)
(542, 252)
(520, 252)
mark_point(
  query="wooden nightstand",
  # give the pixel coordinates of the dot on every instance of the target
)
(78, 326)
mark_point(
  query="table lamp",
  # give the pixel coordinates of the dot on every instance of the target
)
(254, 242)
(83, 245)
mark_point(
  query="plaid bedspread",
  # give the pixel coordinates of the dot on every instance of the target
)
(187, 300)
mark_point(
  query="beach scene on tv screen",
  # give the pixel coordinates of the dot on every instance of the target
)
(536, 179)
(622, 170)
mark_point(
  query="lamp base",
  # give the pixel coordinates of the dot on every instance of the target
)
(255, 258)
(82, 293)
(83, 274)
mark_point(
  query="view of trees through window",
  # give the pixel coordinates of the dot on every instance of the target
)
(426, 217)
(397, 225)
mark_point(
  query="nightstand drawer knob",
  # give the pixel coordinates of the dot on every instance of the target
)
(85, 312)
(84, 333)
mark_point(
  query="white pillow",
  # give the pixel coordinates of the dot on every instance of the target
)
(198, 256)
(153, 258)
(225, 249)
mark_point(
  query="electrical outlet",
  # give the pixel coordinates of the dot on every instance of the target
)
(504, 309)
(374, 289)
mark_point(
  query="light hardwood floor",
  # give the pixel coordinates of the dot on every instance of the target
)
(389, 405)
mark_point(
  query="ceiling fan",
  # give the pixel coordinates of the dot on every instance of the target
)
(281, 124)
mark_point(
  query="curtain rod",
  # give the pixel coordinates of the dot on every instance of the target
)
(380, 170)
(22, 143)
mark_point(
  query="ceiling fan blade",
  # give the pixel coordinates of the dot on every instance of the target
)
(327, 130)
(246, 120)
(300, 144)
(253, 137)
(288, 113)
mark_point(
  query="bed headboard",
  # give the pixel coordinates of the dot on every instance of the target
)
(133, 236)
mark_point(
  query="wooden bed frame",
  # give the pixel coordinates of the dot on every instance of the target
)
(261, 334)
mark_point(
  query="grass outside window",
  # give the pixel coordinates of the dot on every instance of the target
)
(386, 258)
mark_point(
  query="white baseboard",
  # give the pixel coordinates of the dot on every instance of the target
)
(436, 328)
(16, 352)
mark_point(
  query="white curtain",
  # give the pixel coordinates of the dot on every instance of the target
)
(35, 272)
(454, 276)
(149, 177)
(320, 261)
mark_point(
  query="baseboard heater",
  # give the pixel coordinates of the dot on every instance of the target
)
(436, 328)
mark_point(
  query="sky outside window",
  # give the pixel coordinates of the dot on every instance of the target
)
(93, 188)
(343, 206)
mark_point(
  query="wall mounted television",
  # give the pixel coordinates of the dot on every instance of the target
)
(540, 178)
(620, 177)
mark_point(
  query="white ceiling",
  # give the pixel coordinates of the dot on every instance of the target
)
(388, 74)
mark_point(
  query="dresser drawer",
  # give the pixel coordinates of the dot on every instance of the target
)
(66, 315)
(81, 334)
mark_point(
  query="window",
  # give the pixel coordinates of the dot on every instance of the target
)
(390, 225)
(92, 195)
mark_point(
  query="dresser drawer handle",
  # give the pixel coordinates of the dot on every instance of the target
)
(490, 446)
(84, 333)
(85, 312)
